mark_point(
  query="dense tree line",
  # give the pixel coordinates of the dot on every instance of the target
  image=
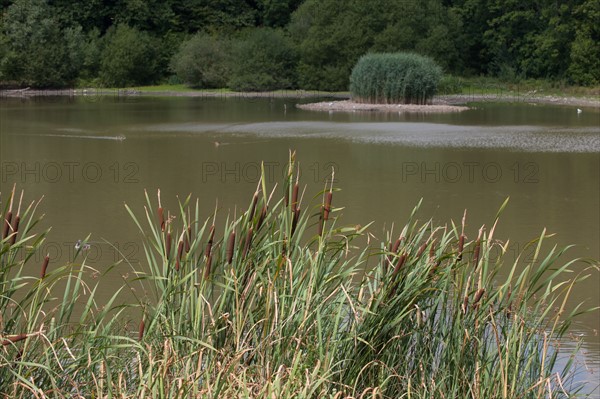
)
(271, 44)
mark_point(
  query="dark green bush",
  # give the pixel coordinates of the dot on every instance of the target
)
(35, 50)
(264, 60)
(129, 57)
(394, 78)
(203, 61)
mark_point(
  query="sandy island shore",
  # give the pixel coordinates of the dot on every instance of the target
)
(351, 106)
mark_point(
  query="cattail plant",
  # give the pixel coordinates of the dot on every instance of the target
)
(261, 218)
(422, 249)
(250, 330)
(253, 207)
(211, 237)
(168, 245)
(477, 297)
(477, 249)
(230, 247)
(295, 219)
(188, 239)
(45, 266)
(9, 340)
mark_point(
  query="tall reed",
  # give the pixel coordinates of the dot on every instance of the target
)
(288, 312)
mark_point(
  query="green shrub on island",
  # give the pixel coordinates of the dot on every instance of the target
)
(391, 78)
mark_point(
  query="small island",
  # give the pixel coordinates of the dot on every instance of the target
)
(391, 82)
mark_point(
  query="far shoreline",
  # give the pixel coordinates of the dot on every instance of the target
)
(443, 102)
(437, 106)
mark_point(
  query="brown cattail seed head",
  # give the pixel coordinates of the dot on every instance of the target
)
(476, 254)
(397, 244)
(478, 296)
(13, 339)
(15, 230)
(399, 264)
(7, 220)
(295, 220)
(253, 208)
(421, 250)
(432, 250)
(141, 330)
(188, 239)
(208, 267)
(320, 226)
(45, 266)
(168, 245)
(230, 247)
(247, 243)
(261, 218)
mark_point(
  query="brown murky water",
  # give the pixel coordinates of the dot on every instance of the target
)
(89, 155)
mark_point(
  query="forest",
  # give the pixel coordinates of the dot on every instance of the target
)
(258, 45)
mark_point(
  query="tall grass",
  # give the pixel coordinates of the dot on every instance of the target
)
(282, 301)
(392, 78)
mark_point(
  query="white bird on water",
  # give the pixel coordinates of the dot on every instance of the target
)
(579, 111)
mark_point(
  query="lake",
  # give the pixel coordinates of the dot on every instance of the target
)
(89, 155)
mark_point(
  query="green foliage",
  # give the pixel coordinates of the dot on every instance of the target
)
(36, 50)
(450, 85)
(394, 78)
(264, 59)
(333, 35)
(203, 61)
(277, 13)
(129, 57)
(585, 50)
(506, 39)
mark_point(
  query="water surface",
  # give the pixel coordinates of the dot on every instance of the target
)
(89, 156)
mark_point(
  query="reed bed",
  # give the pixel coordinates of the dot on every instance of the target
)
(394, 78)
(286, 302)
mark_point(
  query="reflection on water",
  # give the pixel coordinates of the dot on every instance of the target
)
(87, 158)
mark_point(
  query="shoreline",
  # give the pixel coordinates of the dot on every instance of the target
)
(439, 101)
(350, 106)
